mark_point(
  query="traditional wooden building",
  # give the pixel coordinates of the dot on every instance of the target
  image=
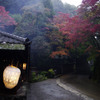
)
(14, 50)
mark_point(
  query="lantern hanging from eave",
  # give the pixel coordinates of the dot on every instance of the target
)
(24, 66)
(11, 76)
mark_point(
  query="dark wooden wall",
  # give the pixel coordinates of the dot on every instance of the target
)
(15, 57)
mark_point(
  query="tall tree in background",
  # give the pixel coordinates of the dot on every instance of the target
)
(48, 4)
(34, 25)
(58, 6)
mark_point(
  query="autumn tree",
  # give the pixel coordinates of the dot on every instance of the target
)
(90, 10)
(5, 19)
(76, 30)
(78, 33)
(82, 32)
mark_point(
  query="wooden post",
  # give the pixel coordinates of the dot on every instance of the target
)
(27, 49)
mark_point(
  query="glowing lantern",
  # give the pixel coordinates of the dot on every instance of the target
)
(11, 76)
(24, 66)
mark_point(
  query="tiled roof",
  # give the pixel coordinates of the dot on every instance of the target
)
(12, 39)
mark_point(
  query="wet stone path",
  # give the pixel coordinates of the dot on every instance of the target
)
(49, 90)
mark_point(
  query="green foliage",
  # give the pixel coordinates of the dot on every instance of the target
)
(58, 6)
(33, 74)
(25, 27)
(32, 24)
(48, 4)
(38, 77)
(44, 73)
(34, 7)
(51, 73)
(17, 17)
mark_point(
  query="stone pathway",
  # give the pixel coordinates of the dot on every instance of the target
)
(81, 85)
(73, 90)
(49, 90)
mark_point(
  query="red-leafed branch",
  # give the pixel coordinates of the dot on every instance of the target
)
(5, 19)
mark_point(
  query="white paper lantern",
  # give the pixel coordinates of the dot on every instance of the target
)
(11, 76)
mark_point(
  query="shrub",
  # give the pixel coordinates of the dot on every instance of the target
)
(44, 73)
(51, 73)
(38, 77)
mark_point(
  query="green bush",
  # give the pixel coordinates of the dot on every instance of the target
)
(51, 73)
(44, 73)
(38, 77)
(33, 74)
